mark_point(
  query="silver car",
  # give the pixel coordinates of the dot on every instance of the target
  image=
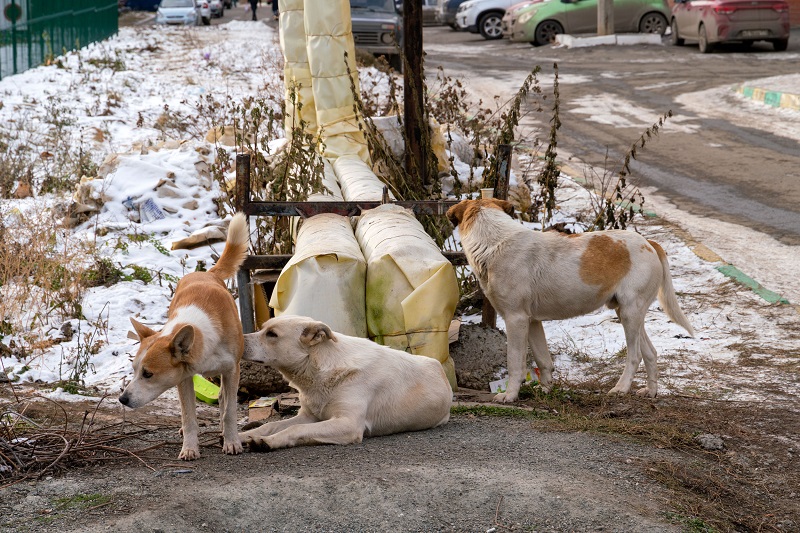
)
(183, 12)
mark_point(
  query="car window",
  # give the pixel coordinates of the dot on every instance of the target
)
(177, 3)
(386, 6)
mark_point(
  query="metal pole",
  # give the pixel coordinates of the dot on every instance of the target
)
(412, 90)
(243, 281)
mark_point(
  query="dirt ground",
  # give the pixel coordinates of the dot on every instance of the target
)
(567, 461)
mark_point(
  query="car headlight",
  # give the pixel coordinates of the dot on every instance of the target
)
(464, 6)
(525, 17)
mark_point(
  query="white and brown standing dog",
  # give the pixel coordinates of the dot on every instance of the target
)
(203, 335)
(349, 387)
(531, 276)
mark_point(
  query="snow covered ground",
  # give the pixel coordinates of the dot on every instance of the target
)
(745, 348)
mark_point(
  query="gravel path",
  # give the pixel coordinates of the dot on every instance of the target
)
(474, 474)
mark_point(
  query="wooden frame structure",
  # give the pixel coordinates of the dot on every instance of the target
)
(245, 205)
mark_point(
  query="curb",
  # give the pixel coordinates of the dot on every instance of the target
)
(771, 98)
(705, 253)
(569, 41)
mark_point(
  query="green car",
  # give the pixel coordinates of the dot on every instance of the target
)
(540, 21)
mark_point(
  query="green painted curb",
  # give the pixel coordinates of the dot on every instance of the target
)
(739, 276)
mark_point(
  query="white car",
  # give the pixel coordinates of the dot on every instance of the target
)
(483, 16)
(217, 8)
(183, 12)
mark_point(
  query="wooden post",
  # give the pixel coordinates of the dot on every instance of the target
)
(503, 171)
(504, 152)
(605, 17)
(413, 111)
(246, 310)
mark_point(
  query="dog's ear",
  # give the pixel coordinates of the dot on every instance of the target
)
(316, 333)
(141, 330)
(182, 342)
(508, 207)
(456, 213)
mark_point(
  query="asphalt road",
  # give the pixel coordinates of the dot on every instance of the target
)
(729, 166)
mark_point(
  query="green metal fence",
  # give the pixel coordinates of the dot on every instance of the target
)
(32, 32)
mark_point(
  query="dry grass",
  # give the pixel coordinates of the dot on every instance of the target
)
(41, 270)
(752, 484)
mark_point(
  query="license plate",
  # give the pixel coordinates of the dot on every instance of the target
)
(755, 33)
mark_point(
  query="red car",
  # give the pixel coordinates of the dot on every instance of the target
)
(714, 21)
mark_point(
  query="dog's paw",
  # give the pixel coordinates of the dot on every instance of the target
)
(618, 391)
(189, 454)
(505, 397)
(646, 392)
(232, 448)
(257, 444)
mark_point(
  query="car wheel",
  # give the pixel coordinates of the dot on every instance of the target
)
(222, 13)
(780, 45)
(702, 40)
(653, 23)
(206, 21)
(546, 32)
(490, 26)
(676, 41)
(453, 26)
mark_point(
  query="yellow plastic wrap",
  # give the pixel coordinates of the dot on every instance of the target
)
(412, 289)
(357, 180)
(329, 35)
(296, 67)
(326, 277)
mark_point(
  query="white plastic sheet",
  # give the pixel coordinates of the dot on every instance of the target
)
(412, 289)
(329, 35)
(296, 66)
(326, 277)
(357, 180)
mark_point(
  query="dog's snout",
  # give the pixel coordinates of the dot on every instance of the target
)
(124, 400)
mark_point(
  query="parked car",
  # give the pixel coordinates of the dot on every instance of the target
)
(183, 12)
(378, 29)
(217, 8)
(541, 21)
(715, 21)
(510, 16)
(447, 12)
(483, 16)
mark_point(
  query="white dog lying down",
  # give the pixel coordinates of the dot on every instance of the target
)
(349, 387)
(531, 276)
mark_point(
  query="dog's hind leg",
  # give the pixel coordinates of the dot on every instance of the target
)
(650, 364)
(633, 324)
(191, 447)
(341, 430)
(541, 354)
(517, 355)
(229, 383)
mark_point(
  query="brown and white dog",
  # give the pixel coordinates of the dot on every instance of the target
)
(531, 276)
(203, 335)
(349, 387)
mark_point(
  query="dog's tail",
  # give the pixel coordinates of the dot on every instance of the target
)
(235, 250)
(666, 293)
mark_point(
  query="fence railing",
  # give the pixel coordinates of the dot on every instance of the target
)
(33, 32)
